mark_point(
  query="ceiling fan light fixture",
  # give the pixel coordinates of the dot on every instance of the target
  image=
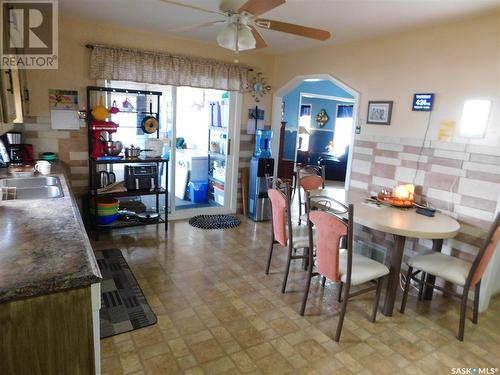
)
(236, 37)
(246, 39)
(227, 37)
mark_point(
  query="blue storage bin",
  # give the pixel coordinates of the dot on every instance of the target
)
(198, 191)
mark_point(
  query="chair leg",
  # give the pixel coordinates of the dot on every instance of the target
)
(342, 313)
(405, 291)
(339, 297)
(300, 205)
(421, 285)
(306, 291)
(287, 270)
(377, 299)
(270, 256)
(475, 313)
(463, 310)
(323, 281)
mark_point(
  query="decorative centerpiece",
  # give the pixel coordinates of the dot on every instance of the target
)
(400, 196)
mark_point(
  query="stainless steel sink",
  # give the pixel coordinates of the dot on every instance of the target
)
(34, 187)
(30, 182)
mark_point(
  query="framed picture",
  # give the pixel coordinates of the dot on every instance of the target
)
(379, 112)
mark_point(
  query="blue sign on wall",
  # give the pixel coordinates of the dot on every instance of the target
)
(423, 102)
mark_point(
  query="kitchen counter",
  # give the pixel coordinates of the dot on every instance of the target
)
(43, 246)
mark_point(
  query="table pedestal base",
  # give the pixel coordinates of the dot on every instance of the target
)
(393, 262)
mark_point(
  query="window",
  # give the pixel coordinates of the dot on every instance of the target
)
(343, 130)
(475, 118)
(304, 127)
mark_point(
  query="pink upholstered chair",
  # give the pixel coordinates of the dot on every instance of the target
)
(340, 265)
(456, 271)
(292, 237)
(309, 178)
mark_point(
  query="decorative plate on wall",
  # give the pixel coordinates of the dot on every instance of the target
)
(322, 118)
(259, 87)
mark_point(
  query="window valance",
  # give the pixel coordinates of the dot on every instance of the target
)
(115, 63)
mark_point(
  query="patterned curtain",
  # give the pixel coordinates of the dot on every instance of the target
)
(123, 64)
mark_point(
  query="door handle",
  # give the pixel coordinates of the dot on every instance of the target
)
(229, 147)
(11, 89)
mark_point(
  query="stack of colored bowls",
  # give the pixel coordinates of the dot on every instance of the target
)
(107, 210)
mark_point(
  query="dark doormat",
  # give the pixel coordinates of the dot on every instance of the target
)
(123, 305)
(214, 221)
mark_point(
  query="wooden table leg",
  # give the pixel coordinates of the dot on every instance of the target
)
(437, 245)
(394, 263)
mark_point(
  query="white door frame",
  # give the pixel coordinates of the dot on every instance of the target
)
(232, 164)
(290, 85)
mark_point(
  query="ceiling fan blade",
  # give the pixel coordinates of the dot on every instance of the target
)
(192, 27)
(191, 7)
(258, 7)
(290, 28)
(259, 40)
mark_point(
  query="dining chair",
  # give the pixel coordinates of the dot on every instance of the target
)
(336, 264)
(309, 178)
(456, 271)
(283, 232)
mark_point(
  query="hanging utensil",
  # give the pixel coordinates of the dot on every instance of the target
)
(149, 123)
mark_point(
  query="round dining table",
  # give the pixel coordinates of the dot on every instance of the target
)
(402, 223)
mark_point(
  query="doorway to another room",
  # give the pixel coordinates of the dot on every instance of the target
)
(318, 114)
(199, 128)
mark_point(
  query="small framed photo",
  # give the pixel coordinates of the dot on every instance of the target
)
(379, 112)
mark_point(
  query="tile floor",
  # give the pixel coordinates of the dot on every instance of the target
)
(219, 313)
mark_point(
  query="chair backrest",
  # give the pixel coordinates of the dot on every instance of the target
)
(279, 196)
(485, 253)
(308, 170)
(311, 182)
(330, 228)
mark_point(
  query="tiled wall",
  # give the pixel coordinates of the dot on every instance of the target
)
(462, 180)
(70, 147)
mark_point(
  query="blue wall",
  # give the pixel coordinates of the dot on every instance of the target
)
(291, 108)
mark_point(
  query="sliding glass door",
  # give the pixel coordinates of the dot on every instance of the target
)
(200, 130)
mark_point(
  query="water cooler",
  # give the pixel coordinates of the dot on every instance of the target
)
(261, 164)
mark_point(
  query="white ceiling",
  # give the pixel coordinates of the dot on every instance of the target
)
(347, 20)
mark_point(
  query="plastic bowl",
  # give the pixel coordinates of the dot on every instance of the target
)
(107, 203)
(107, 211)
(103, 220)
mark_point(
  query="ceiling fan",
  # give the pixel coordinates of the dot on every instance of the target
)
(241, 19)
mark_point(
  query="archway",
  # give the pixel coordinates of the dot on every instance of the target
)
(293, 83)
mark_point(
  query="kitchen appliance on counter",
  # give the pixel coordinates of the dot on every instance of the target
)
(261, 165)
(14, 138)
(141, 177)
(4, 155)
(101, 136)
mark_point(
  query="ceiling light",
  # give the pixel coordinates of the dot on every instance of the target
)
(475, 118)
(313, 80)
(236, 37)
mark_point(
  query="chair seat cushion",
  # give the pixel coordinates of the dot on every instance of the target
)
(444, 266)
(363, 268)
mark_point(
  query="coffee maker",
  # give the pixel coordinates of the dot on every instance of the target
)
(261, 165)
(19, 152)
(4, 155)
